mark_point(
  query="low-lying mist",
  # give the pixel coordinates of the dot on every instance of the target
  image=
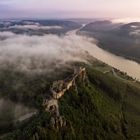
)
(33, 55)
(11, 112)
(42, 53)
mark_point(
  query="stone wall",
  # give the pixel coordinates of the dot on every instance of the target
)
(57, 90)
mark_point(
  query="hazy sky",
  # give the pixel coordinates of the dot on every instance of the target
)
(69, 8)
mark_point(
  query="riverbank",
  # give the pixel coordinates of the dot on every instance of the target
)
(131, 67)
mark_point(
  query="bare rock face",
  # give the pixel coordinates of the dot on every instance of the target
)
(51, 106)
(57, 122)
(57, 90)
(59, 87)
(36, 136)
(52, 122)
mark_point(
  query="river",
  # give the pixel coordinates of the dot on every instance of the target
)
(132, 68)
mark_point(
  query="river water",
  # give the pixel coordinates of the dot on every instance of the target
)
(132, 68)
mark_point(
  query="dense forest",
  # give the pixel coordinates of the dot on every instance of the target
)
(102, 108)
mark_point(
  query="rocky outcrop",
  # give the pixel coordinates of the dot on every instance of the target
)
(57, 122)
(57, 90)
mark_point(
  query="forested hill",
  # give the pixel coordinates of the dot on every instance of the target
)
(121, 39)
(102, 107)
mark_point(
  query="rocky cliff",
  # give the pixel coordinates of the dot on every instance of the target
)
(57, 90)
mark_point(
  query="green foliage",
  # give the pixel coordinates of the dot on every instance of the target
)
(22, 87)
(106, 108)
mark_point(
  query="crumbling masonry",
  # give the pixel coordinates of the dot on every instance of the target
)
(57, 90)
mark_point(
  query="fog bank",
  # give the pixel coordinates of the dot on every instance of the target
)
(41, 53)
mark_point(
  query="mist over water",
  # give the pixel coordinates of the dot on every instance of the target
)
(43, 53)
(38, 53)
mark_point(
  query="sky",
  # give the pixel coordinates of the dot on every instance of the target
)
(69, 8)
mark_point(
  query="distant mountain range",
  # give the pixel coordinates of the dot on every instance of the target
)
(119, 38)
(38, 27)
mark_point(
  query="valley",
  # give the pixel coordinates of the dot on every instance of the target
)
(69, 70)
(119, 38)
(91, 94)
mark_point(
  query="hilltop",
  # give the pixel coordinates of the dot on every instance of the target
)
(97, 105)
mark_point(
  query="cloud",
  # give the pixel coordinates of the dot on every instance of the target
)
(66, 9)
(7, 2)
(10, 111)
(125, 20)
(42, 53)
(34, 27)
